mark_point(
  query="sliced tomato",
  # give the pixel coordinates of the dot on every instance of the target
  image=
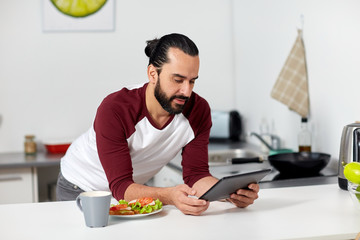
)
(145, 201)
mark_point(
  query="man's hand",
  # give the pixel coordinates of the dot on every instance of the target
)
(187, 205)
(245, 197)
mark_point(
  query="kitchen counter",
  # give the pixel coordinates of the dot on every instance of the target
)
(43, 159)
(20, 160)
(310, 212)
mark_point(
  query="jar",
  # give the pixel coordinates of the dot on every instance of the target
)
(30, 145)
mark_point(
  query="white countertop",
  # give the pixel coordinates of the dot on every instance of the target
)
(310, 212)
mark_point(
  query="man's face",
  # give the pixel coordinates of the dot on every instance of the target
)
(166, 102)
(177, 81)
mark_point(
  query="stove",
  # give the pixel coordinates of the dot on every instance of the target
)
(220, 171)
(277, 176)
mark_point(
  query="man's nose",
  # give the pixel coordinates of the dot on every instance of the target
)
(186, 89)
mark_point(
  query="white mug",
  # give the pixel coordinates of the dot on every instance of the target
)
(95, 206)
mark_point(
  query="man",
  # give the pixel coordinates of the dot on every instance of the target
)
(137, 131)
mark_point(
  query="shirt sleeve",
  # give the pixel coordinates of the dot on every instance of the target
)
(113, 148)
(195, 153)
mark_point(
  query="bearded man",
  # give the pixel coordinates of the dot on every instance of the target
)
(138, 130)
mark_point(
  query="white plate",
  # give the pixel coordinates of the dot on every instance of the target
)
(137, 215)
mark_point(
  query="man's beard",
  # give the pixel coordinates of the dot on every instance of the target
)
(165, 102)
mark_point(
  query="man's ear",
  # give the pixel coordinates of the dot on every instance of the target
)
(152, 73)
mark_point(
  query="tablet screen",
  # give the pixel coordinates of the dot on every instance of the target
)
(228, 185)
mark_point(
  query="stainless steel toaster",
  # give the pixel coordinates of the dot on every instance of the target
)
(349, 150)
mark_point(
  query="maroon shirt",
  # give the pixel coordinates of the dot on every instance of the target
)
(117, 122)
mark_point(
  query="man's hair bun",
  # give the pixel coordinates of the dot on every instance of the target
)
(151, 46)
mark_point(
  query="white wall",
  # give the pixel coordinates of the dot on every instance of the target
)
(52, 83)
(264, 34)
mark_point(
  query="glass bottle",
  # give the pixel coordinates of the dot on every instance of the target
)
(30, 145)
(304, 137)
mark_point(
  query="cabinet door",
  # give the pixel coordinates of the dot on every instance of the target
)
(16, 185)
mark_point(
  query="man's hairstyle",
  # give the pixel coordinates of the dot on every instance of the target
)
(157, 49)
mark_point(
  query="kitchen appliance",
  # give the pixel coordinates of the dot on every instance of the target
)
(349, 150)
(226, 125)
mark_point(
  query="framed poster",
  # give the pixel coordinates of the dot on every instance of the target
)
(54, 20)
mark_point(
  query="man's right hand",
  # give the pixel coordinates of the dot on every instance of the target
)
(188, 205)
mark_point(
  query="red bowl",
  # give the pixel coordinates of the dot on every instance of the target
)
(57, 148)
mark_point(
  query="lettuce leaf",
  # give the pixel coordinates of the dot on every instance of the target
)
(121, 201)
(146, 209)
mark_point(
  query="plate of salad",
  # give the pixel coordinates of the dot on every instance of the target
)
(141, 207)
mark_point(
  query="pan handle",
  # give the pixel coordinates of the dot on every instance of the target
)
(246, 160)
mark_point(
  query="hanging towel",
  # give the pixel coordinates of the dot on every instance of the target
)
(291, 87)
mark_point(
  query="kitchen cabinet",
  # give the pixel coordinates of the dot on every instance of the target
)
(18, 185)
(28, 179)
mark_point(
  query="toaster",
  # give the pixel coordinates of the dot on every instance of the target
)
(226, 125)
(349, 150)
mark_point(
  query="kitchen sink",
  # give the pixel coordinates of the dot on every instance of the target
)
(226, 157)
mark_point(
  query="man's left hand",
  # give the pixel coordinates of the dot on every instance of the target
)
(245, 197)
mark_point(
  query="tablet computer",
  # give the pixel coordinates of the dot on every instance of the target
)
(228, 185)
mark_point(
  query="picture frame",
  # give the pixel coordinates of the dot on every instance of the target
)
(55, 21)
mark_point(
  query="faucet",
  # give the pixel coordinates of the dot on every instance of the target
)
(275, 141)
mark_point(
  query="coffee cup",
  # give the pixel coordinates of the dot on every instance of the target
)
(95, 207)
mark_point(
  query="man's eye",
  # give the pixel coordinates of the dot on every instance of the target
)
(192, 82)
(179, 80)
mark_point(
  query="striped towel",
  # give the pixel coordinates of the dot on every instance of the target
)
(291, 87)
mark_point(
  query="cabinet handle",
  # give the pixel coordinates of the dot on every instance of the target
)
(10, 178)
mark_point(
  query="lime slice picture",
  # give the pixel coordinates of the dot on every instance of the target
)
(78, 8)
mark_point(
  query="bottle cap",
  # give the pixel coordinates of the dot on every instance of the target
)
(303, 119)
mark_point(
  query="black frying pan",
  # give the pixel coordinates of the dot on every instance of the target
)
(299, 163)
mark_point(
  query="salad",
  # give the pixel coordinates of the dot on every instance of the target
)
(137, 206)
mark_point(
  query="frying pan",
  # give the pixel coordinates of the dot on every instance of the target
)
(296, 164)
(290, 163)
(299, 163)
